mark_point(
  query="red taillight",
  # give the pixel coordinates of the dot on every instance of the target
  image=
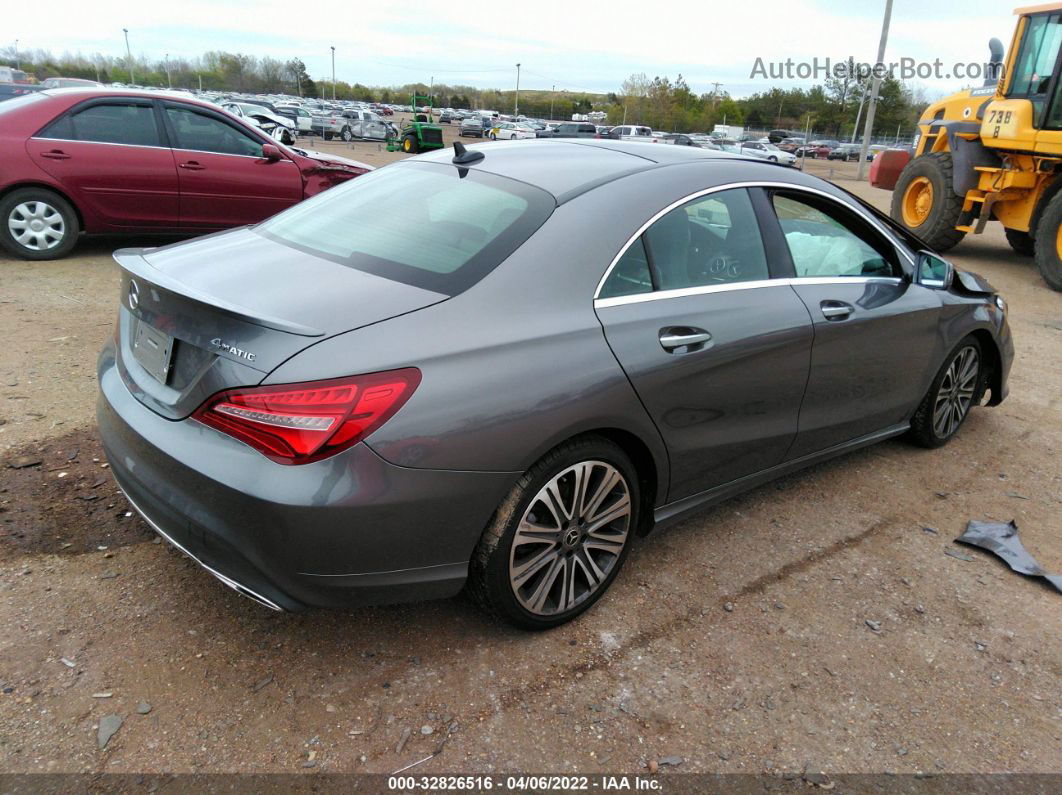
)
(300, 423)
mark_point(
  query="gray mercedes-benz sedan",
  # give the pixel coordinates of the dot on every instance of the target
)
(498, 367)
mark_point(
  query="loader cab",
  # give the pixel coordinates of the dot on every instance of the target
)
(1034, 71)
(1026, 114)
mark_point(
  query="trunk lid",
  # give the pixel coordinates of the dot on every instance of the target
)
(224, 310)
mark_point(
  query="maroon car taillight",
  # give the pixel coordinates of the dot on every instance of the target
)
(300, 423)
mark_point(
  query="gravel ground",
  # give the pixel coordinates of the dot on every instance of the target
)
(815, 622)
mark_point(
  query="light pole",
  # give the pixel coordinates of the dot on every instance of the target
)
(169, 83)
(516, 104)
(17, 64)
(552, 92)
(869, 127)
(129, 55)
(333, 74)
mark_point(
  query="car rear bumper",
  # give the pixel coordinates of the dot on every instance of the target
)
(350, 530)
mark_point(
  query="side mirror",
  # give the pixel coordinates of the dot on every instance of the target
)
(271, 153)
(933, 271)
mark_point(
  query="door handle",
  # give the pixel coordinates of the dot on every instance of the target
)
(693, 338)
(56, 154)
(192, 165)
(836, 310)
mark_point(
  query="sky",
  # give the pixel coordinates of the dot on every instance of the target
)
(586, 45)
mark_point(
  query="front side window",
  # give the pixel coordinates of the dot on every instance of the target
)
(117, 123)
(451, 230)
(822, 242)
(202, 133)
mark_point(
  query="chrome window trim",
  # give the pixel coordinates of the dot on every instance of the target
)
(101, 143)
(858, 211)
(708, 289)
(149, 146)
(284, 159)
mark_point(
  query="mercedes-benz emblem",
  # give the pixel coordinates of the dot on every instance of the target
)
(134, 295)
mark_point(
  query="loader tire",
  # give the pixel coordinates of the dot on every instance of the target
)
(1021, 242)
(1049, 243)
(924, 201)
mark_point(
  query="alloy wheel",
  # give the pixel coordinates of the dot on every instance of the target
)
(570, 538)
(956, 392)
(36, 225)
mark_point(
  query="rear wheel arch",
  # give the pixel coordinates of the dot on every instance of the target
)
(652, 472)
(45, 186)
(646, 466)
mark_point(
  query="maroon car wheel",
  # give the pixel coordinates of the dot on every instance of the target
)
(37, 224)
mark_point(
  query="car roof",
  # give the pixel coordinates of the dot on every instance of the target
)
(567, 168)
(89, 92)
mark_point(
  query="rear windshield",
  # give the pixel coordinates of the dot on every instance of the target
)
(424, 224)
(20, 101)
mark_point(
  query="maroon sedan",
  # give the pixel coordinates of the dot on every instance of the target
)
(97, 161)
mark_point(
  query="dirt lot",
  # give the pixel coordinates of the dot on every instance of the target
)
(736, 642)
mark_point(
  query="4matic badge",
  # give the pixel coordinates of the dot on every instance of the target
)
(228, 347)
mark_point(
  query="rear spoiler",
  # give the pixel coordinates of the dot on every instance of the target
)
(132, 261)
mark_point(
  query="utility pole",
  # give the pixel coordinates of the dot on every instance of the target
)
(169, 83)
(859, 113)
(869, 128)
(333, 74)
(715, 93)
(552, 92)
(129, 55)
(431, 97)
(516, 99)
(201, 83)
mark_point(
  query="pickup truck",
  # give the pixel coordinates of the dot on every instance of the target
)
(634, 132)
(570, 129)
(351, 124)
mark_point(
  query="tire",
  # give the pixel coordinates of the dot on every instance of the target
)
(50, 223)
(943, 410)
(1049, 243)
(347, 135)
(773, 159)
(327, 136)
(1021, 242)
(925, 202)
(544, 600)
(410, 145)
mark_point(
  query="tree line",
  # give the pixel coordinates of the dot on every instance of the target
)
(829, 109)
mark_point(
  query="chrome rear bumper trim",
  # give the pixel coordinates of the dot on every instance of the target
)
(243, 590)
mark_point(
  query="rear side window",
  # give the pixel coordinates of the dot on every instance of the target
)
(112, 123)
(422, 224)
(824, 242)
(631, 275)
(712, 240)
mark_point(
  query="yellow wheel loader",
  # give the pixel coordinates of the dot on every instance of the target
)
(995, 152)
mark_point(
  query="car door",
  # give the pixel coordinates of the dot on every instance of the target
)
(874, 329)
(716, 349)
(224, 180)
(109, 154)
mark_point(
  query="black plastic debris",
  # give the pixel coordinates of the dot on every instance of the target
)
(1002, 539)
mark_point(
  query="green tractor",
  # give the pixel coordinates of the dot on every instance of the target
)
(420, 134)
